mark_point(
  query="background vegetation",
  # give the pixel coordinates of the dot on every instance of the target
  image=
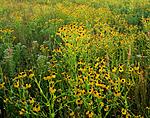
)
(75, 58)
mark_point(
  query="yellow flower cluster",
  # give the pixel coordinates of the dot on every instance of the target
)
(72, 32)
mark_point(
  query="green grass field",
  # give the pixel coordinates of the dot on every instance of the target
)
(75, 58)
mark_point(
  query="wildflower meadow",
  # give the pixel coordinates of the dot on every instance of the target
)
(74, 58)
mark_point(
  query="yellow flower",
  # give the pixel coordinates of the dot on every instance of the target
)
(128, 115)
(89, 114)
(106, 108)
(114, 69)
(121, 68)
(78, 92)
(79, 101)
(22, 111)
(16, 85)
(36, 108)
(124, 111)
(117, 94)
(123, 80)
(23, 102)
(2, 85)
(31, 100)
(28, 86)
(130, 69)
(31, 74)
(90, 103)
(91, 91)
(5, 100)
(49, 77)
(136, 68)
(107, 76)
(52, 90)
(72, 113)
(101, 104)
(22, 75)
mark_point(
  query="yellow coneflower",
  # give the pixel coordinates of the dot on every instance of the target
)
(91, 90)
(117, 94)
(85, 78)
(103, 61)
(23, 102)
(5, 100)
(102, 69)
(89, 114)
(128, 115)
(90, 103)
(107, 76)
(16, 85)
(2, 85)
(96, 93)
(71, 113)
(123, 111)
(83, 91)
(130, 69)
(31, 100)
(52, 90)
(22, 75)
(114, 69)
(136, 68)
(78, 92)
(96, 65)
(28, 86)
(121, 68)
(123, 81)
(22, 111)
(59, 100)
(37, 108)
(110, 81)
(106, 108)
(102, 104)
(79, 101)
(31, 74)
(91, 82)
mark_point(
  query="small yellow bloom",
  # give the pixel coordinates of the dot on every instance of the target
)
(114, 69)
(107, 76)
(121, 68)
(31, 100)
(49, 77)
(72, 113)
(101, 104)
(106, 108)
(22, 111)
(90, 103)
(130, 69)
(89, 114)
(123, 80)
(136, 68)
(16, 85)
(52, 90)
(5, 100)
(124, 111)
(91, 91)
(36, 108)
(23, 102)
(2, 85)
(28, 86)
(79, 101)
(117, 94)
(22, 75)
(30, 74)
